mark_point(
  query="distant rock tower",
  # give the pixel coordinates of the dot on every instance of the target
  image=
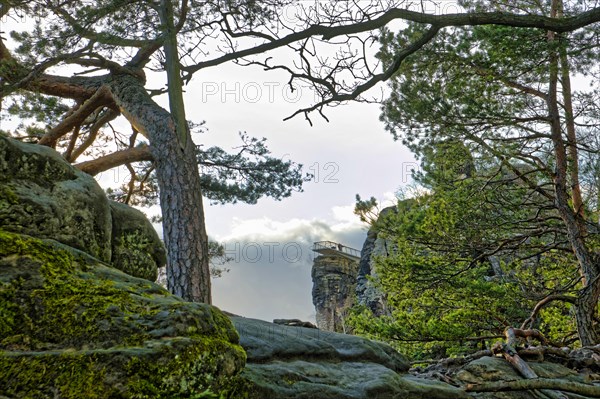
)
(334, 274)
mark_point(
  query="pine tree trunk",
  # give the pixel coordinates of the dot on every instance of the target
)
(587, 301)
(180, 194)
(585, 310)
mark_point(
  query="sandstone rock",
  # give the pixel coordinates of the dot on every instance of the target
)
(267, 341)
(334, 282)
(587, 357)
(295, 362)
(72, 327)
(136, 248)
(490, 369)
(42, 195)
(294, 323)
(366, 292)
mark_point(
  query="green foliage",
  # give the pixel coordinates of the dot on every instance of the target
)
(366, 210)
(248, 174)
(245, 175)
(455, 85)
(39, 108)
(484, 228)
(217, 258)
(462, 268)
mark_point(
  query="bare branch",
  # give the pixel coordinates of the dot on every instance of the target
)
(118, 158)
(89, 140)
(328, 32)
(541, 304)
(101, 97)
(400, 57)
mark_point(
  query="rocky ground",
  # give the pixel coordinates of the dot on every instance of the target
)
(296, 362)
(81, 318)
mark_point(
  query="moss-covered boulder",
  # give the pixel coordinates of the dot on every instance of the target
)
(42, 195)
(136, 248)
(73, 327)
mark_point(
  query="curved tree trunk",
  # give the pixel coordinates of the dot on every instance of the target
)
(180, 195)
(586, 308)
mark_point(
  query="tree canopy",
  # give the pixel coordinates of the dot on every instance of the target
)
(503, 136)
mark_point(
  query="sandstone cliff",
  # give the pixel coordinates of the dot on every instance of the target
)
(339, 282)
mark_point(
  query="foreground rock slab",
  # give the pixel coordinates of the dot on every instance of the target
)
(295, 362)
(286, 362)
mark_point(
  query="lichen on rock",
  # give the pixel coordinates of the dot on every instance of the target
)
(43, 196)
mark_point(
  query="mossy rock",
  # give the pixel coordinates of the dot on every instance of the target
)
(73, 327)
(42, 195)
(136, 248)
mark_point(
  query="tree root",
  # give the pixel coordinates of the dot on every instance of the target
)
(508, 350)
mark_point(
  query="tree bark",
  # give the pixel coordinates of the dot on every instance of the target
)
(108, 116)
(586, 311)
(572, 151)
(174, 83)
(587, 302)
(114, 159)
(76, 118)
(180, 194)
(175, 277)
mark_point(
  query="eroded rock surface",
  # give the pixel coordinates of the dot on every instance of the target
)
(301, 363)
(296, 362)
(43, 196)
(490, 369)
(367, 293)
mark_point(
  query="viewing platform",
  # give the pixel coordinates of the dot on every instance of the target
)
(336, 249)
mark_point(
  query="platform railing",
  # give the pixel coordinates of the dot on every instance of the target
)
(321, 246)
